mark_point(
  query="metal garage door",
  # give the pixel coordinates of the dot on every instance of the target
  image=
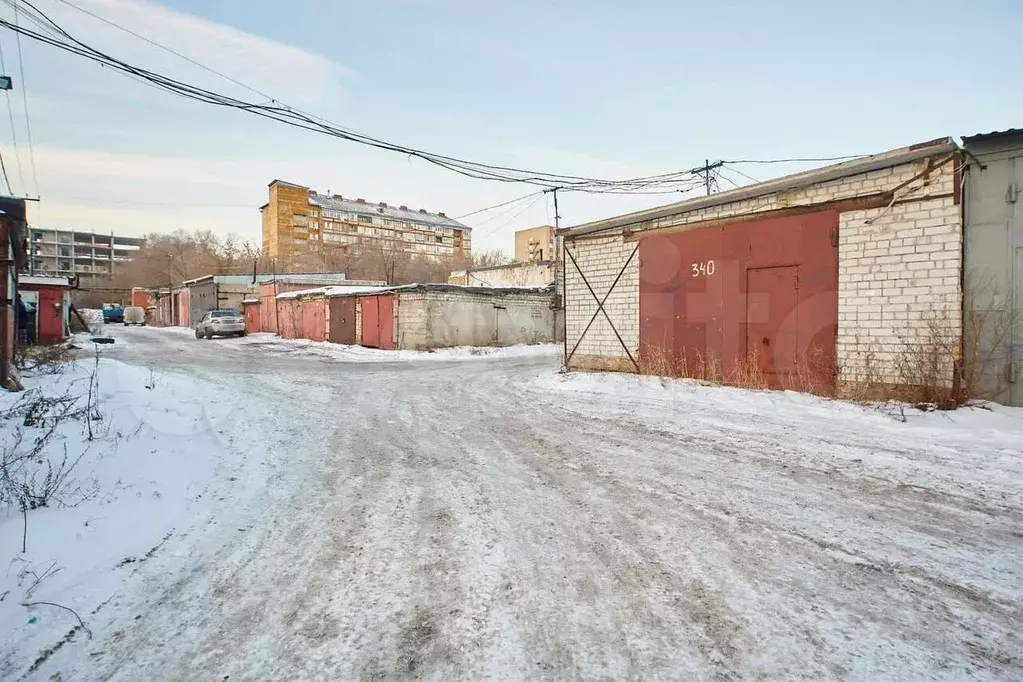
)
(314, 320)
(993, 281)
(342, 320)
(378, 322)
(762, 294)
(771, 295)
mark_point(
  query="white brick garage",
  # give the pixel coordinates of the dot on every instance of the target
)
(898, 237)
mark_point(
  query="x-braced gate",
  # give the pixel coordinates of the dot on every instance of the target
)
(600, 306)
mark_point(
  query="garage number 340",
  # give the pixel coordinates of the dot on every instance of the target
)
(703, 268)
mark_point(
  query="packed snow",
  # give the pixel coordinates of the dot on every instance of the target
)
(267, 510)
(345, 353)
(158, 457)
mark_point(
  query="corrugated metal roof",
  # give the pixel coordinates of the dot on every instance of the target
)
(978, 137)
(894, 157)
(392, 212)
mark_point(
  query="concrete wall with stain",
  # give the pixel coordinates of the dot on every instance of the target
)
(427, 320)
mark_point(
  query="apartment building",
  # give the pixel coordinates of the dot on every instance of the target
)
(66, 253)
(534, 245)
(298, 220)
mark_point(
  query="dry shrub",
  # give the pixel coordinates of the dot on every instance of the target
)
(987, 340)
(927, 366)
(48, 359)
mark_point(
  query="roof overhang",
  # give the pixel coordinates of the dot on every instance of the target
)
(44, 281)
(189, 282)
(896, 157)
(286, 184)
(994, 135)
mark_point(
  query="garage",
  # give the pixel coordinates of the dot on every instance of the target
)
(753, 302)
(342, 319)
(378, 322)
(835, 280)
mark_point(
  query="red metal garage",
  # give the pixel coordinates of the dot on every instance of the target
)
(51, 300)
(314, 319)
(289, 318)
(251, 315)
(342, 319)
(378, 322)
(743, 301)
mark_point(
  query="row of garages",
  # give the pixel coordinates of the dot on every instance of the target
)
(331, 308)
(414, 317)
(897, 270)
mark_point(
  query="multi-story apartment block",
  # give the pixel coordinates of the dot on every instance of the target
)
(66, 253)
(298, 220)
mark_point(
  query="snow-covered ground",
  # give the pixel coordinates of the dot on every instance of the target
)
(323, 517)
(344, 353)
(162, 452)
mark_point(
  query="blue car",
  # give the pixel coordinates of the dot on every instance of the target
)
(112, 313)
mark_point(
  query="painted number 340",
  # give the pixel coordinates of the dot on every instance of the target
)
(703, 269)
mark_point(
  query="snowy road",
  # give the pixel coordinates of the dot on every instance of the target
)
(492, 519)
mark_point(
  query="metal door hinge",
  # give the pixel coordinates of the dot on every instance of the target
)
(1012, 193)
(834, 238)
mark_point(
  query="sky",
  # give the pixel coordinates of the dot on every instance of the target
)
(596, 88)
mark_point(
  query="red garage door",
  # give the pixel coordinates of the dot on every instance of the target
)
(378, 322)
(50, 315)
(753, 298)
(342, 320)
(314, 320)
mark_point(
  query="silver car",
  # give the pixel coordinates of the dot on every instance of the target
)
(220, 323)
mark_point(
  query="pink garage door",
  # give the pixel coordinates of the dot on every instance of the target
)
(378, 322)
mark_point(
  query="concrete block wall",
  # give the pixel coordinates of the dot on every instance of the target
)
(444, 319)
(600, 259)
(898, 278)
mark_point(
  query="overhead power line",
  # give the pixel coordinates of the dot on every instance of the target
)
(24, 99)
(739, 172)
(14, 130)
(727, 179)
(495, 206)
(7, 181)
(509, 221)
(52, 34)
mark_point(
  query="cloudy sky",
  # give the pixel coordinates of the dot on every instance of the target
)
(597, 88)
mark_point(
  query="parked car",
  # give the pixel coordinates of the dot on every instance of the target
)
(220, 323)
(133, 314)
(112, 313)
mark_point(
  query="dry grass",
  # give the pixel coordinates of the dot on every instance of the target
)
(747, 373)
(935, 363)
(928, 367)
(49, 359)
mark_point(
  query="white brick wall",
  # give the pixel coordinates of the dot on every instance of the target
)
(898, 275)
(898, 286)
(600, 260)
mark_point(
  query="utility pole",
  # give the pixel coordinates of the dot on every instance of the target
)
(706, 171)
(557, 216)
